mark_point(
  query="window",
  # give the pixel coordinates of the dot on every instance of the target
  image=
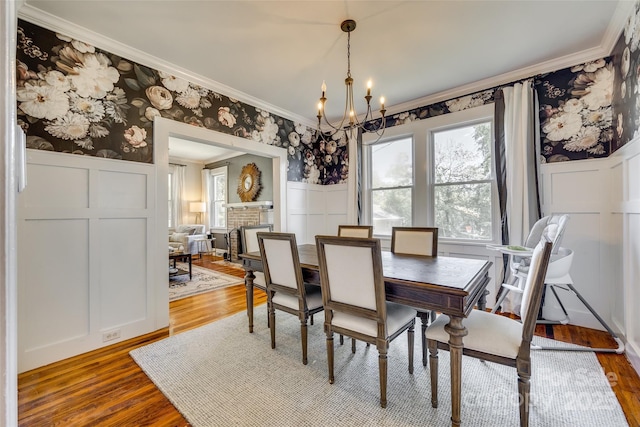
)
(217, 197)
(391, 184)
(462, 182)
(434, 172)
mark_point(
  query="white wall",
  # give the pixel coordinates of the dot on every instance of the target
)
(603, 198)
(315, 209)
(622, 244)
(88, 274)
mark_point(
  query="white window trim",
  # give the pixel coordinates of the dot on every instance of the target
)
(423, 177)
(222, 170)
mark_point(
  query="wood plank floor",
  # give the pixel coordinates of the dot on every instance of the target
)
(107, 388)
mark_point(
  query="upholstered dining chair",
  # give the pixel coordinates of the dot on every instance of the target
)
(355, 302)
(286, 290)
(355, 230)
(417, 241)
(496, 338)
(249, 242)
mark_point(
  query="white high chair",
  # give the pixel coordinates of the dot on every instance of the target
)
(557, 276)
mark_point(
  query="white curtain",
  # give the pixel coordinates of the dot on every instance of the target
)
(521, 169)
(520, 162)
(206, 198)
(180, 210)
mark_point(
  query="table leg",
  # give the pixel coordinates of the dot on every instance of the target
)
(482, 301)
(424, 317)
(248, 282)
(189, 266)
(456, 331)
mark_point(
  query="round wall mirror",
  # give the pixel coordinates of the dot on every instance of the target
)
(249, 183)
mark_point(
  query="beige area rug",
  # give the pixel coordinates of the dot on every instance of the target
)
(203, 280)
(220, 375)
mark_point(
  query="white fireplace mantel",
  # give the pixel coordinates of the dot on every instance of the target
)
(249, 205)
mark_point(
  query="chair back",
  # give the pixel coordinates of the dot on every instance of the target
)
(248, 237)
(532, 294)
(553, 226)
(351, 277)
(355, 231)
(414, 240)
(281, 264)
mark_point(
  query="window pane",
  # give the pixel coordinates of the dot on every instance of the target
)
(463, 154)
(463, 211)
(392, 164)
(220, 186)
(391, 208)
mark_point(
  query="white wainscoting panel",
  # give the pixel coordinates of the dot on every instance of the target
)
(87, 256)
(122, 190)
(315, 209)
(123, 272)
(616, 268)
(54, 187)
(603, 198)
(634, 278)
(55, 282)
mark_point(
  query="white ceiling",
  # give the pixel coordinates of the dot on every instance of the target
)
(184, 149)
(275, 54)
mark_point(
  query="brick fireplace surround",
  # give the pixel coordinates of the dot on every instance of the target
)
(239, 216)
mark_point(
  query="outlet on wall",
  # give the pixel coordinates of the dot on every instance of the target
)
(111, 335)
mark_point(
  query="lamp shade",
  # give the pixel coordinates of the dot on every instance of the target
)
(197, 207)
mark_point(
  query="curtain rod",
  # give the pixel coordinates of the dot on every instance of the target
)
(177, 164)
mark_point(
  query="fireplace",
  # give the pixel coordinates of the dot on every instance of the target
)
(249, 213)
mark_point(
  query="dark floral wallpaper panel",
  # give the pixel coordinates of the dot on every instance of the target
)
(75, 98)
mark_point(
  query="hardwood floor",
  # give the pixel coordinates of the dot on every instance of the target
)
(107, 388)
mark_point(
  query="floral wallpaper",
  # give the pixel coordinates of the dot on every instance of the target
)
(444, 107)
(576, 111)
(626, 83)
(75, 98)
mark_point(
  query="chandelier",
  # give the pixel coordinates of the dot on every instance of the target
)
(350, 120)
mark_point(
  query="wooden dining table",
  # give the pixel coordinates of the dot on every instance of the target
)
(448, 285)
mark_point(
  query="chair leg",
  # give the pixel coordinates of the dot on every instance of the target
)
(382, 367)
(341, 339)
(433, 368)
(524, 388)
(353, 345)
(411, 340)
(311, 320)
(330, 356)
(272, 326)
(303, 335)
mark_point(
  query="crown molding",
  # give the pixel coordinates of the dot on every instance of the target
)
(57, 24)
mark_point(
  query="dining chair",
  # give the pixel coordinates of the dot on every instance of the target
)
(355, 231)
(354, 299)
(417, 241)
(249, 242)
(286, 290)
(496, 338)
